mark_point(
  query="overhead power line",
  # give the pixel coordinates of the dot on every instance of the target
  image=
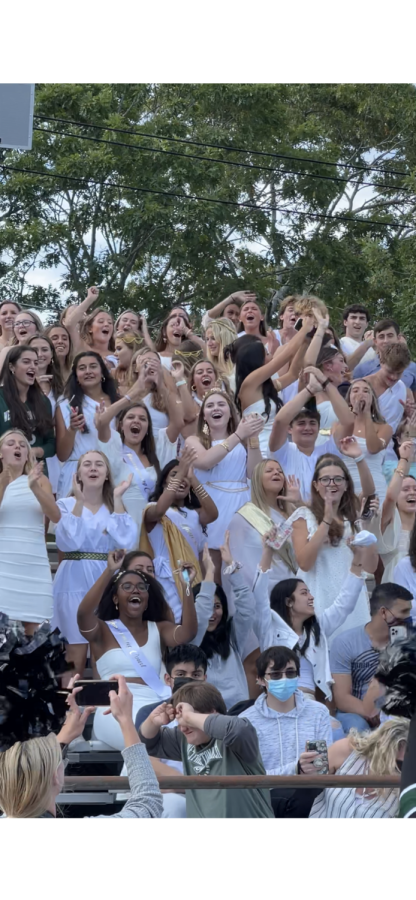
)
(229, 148)
(213, 159)
(195, 197)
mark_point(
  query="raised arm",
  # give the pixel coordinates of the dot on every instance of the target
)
(42, 489)
(207, 459)
(288, 412)
(88, 622)
(283, 355)
(315, 345)
(155, 512)
(174, 409)
(345, 425)
(354, 359)
(406, 453)
(208, 511)
(238, 297)
(184, 633)
(65, 437)
(77, 313)
(350, 447)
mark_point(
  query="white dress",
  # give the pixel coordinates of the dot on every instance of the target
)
(264, 436)
(226, 484)
(124, 462)
(25, 575)
(88, 533)
(393, 545)
(159, 419)
(392, 411)
(328, 419)
(246, 547)
(83, 442)
(375, 464)
(187, 521)
(327, 576)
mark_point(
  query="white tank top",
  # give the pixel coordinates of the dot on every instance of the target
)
(116, 660)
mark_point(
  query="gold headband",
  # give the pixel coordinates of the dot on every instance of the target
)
(186, 353)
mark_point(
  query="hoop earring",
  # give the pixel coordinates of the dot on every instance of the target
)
(193, 388)
(205, 428)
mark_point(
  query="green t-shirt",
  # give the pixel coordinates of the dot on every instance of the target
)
(232, 750)
(46, 441)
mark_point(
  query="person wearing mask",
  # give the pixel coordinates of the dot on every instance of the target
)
(93, 521)
(222, 637)
(25, 498)
(8, 312)
(209, 743)
(372, 434)
(393, 524)
(228, 308)
(184, 664)
(387, 331)
(354, 657)
(273, 499)
(89, 385)
(380, 752)
(322, 534)
(61, 339)
(23, 405)
(222, 462)
(404, 572)
(255, 389)
(32, 772)
(299, 456)
(288, 618)
(129, 627)
(284, 721)
(174, 523)
(357, 343)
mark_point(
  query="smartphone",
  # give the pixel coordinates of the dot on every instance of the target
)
(398, 633)
(321, 748)
(95, 693)
(368, 513)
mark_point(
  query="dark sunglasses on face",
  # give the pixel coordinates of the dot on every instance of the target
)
(276, 676)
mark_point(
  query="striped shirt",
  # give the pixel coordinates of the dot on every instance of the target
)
(345, 803)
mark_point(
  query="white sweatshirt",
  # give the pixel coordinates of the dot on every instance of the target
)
(282, 736)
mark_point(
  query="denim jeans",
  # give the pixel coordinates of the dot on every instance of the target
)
(352, 720)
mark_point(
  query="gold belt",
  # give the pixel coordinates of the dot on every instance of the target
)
(76, 554)
(216, 486)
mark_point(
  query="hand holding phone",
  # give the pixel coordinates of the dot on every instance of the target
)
(94, 693)
(320, 763)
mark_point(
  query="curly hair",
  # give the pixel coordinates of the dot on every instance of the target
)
(157, 607)
(380, 747)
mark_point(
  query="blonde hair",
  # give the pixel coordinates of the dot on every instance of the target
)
(84, 328)
(134, 341)
(108, 486)
(375, 409)
(380, 747)
(28, 465)
(157, 400)
(258, 494)
(225, 333)
(26, 772)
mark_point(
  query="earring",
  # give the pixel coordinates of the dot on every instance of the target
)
(205, 428)
(102, 378)
(115, 604)
(193, 388)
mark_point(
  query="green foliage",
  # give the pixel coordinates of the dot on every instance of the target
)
(152, 250)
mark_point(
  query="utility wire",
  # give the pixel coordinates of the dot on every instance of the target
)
(158, 137)
(225, 162)
(182, 196)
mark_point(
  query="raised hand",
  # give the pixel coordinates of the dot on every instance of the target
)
(209, 567)
(183, 712)
(321, 321)
(242, 297)
(122, 487)
(369, 335)
(329, 511)
(178, 370)
(225, 550)
(99, 412)
(316, 374)
(5, 478)
(115, 560)
(77, 489)
(407, 451)
(272, 343)
(250, 427)
(76, 420)
(293, 494)
(190, 569)
(186, 461)
(350, 447)
(162, 715)
(34, 475)
(93, 294)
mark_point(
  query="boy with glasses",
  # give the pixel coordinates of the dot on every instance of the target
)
(284, 719)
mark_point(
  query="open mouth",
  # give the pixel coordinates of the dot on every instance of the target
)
(206, 381)
(135, 602)
(177, 334)
(250, 317)
(17, 454)
(30, 374)
(216, 415)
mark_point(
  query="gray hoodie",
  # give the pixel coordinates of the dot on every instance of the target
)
(282, 736)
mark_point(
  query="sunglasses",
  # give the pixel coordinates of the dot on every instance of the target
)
(276, 676)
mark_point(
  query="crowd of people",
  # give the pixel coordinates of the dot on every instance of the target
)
(234, 513)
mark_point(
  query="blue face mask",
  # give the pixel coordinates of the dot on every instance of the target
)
(282, 689)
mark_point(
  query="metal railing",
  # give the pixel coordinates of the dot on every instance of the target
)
(207, 782)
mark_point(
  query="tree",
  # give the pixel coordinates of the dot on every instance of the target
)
(152, 250)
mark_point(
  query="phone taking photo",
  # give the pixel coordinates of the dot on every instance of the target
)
(95, 693)
(321, 762)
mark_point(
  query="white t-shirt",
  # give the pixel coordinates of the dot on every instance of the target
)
(349, 345)
(294, 462)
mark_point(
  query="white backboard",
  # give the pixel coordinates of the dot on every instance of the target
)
(16, 116)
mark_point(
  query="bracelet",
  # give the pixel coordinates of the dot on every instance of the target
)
(253, 443)
(325, 384)
(309, 391)
(174, 635)
(88, 630)
(225, 445)
(327, 523)
(402, 474)
(126, 397)
(238, 436)
(233, 567)
(199, 489)
(181, 382)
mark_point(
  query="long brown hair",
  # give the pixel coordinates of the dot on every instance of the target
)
(375, 409)
(108, 486)
(161, 339)
(148, 443)
(157, 401)
(84, 327)
(219, 379)
(348, 507)
(53, 369)
(232, 422)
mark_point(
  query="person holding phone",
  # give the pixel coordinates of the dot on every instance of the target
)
(129, 625)
(32, 772)
(284, 722)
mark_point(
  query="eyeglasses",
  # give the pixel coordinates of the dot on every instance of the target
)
(326, 480)
(276, 676)
(25, 322)
(129, 587)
